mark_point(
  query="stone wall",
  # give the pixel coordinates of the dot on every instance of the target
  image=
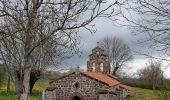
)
(66, 86)
(107, 97)
(50, 95)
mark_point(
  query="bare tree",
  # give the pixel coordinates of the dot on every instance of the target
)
(34, 33)
(118, 52)
(152, 74)
(151, 19)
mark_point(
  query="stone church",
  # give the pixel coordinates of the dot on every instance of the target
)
(95, 84)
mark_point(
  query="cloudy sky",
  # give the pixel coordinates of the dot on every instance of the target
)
(106, 28)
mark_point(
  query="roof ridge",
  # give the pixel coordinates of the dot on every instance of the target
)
(63, 77)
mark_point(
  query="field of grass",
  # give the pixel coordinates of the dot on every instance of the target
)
(148, 94)
(12, 96)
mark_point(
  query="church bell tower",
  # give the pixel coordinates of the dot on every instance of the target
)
(98, 61)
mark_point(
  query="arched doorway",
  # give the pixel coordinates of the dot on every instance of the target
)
(76, 96)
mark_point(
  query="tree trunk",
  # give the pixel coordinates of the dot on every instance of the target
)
(8, 84)
(25, 95)
(35, 75)
(17, 83)
(25, 77)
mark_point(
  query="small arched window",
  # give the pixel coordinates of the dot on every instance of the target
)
(101, 67)
(93, 67)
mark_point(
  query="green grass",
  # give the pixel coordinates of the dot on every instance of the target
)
(148, 94)
(13, 96)
(41, 85)
(8, 96)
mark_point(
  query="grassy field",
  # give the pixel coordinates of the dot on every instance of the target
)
(147, 94)
(139, 93)
(12, 96)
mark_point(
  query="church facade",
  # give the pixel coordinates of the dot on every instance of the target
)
(95, 84)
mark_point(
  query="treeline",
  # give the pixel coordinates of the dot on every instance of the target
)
(149, 77)
(136, 82)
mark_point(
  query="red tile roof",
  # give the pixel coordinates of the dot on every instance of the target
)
(114, 77)
(102, 77)
(125, 86)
